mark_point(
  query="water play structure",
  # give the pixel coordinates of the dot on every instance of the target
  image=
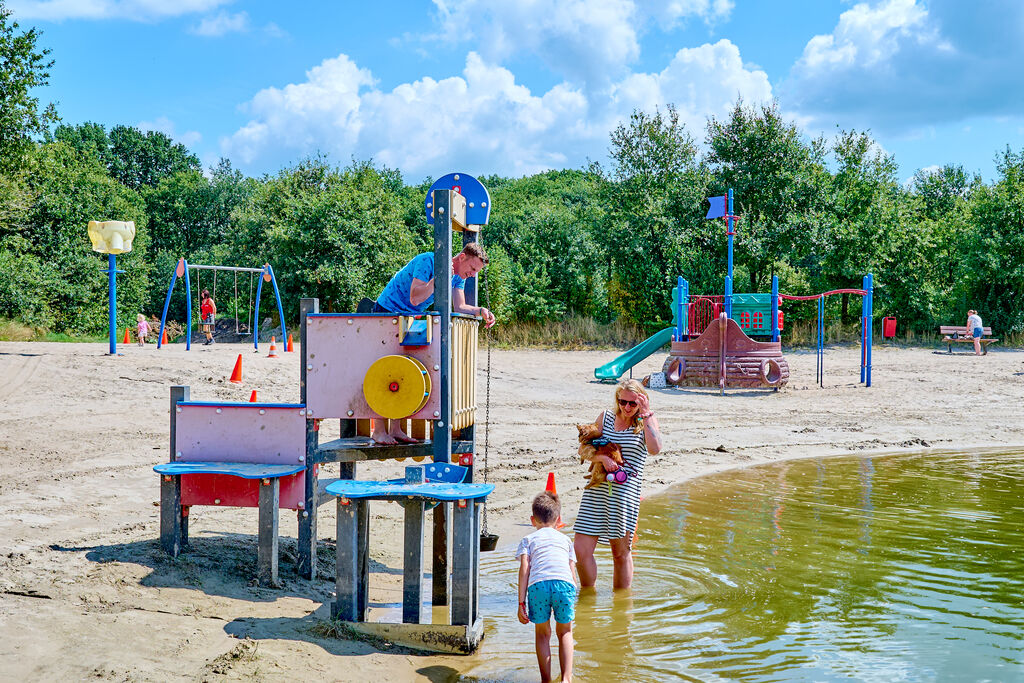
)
(112, 238)
(181, 270)
(356, 368)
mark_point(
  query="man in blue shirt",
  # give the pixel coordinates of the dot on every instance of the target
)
(411, 292)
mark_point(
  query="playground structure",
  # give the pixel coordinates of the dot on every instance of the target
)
(358, 367)
(181, 270)
(710, 336)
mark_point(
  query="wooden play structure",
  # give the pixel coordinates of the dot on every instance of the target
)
(724, 356)
(357, 368)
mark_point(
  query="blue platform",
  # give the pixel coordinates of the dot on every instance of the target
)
(443, 483)
(245, 470)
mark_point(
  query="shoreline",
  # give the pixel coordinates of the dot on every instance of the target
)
(87, 592)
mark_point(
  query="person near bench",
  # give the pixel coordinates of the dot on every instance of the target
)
(976, 329)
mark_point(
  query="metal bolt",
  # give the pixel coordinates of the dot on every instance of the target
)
(440, 209)
(178, 409)
(216, 501)
(471, 205)
(430, 205)
(309, 412)
(437, 367)
(440, 424)
(350, 413)
(178, 454)
(305, 514)
(302, 412)
(456, 176)
(218, 411)
(394, 321)
(262, 412)
(309, 367)
(350, 321)
(302, 458)
(437, 413)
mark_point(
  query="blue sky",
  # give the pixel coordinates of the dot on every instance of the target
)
(514, 87)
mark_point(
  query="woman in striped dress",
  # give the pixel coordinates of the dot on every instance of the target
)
(610, 516)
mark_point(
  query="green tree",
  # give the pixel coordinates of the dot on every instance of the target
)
(23, 67)
(653, 228)
(776, 178)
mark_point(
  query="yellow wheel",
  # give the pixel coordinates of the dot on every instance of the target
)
(396, 386)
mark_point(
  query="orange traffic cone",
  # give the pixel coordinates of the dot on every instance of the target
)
(236, 374)
(126, 340)
(273, 350)
(163, 337)
(550, 488)
(252, 398)
(288, 347)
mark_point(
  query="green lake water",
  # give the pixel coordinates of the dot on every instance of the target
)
(892, 568)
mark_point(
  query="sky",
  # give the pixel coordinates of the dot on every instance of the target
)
(516, 87)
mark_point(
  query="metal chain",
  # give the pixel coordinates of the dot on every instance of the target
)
(487, 401)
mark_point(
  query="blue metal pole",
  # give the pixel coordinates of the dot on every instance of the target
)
(256, 316)
(869, 285)
(167, 303)
(188, 308)
(730, 231)
(821, 341)
(112, 300)
(728, 296)
(280, 310)
(775, 308)
(686, 308)
(679, 308)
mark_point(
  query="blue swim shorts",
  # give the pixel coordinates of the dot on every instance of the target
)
(978, 332)
(545, 597)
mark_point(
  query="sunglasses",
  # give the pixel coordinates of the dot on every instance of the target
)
(624, 403)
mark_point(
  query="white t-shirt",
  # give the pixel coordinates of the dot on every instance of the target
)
(972, 322)
(550, 553)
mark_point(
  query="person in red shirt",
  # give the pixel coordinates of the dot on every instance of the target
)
(207, 309)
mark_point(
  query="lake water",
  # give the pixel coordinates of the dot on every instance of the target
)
(893, 568)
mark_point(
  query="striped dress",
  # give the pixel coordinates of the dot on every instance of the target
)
(613, 514)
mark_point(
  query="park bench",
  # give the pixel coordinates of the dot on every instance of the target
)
(952, 334)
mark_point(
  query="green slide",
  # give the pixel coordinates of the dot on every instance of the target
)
(620, 365)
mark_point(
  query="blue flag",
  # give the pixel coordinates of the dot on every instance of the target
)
(719, 206)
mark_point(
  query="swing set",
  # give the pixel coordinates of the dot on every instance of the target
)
(181, 270)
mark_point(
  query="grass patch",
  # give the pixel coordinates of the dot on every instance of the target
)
(12, 330)
(338, 630)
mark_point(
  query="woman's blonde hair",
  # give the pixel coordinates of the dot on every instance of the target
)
(637, 388)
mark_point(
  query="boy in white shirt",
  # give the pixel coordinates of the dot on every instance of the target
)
(547, 583)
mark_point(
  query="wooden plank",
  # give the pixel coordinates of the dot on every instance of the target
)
(412, 566)
(356, 449)
(363, 565)
(307, 516)
(463, 545)
(179, 393)
(266, 557)
(170, 514)
(346, 587)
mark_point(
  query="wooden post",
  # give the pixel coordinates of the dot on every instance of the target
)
(307, 515)
(474, 610)
(173, 523)
(443, 425)
(412, 581)
(347, 589)
(266, 564)
(463, 545)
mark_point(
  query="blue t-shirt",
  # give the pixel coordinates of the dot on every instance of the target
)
(395, 297)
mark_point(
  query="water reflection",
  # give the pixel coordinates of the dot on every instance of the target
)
(898, 568)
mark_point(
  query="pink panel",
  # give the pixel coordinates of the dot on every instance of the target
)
(239, 433)
(341, 348)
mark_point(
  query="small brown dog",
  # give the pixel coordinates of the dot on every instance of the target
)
(587, 451)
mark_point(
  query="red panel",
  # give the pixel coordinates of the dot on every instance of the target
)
(205, 489)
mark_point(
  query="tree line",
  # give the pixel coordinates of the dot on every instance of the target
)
(604, 242)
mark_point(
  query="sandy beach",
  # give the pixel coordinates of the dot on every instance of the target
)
(86, 592)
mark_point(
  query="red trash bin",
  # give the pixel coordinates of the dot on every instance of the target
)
(888, 327)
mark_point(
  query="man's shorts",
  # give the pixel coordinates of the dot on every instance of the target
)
(978, 332)
(545, 597)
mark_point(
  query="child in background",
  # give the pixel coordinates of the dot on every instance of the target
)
(142, 329)
(547, 583)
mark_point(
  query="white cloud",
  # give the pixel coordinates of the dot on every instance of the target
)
(482, 120)
(898, 65)
(221, 24)
(164, 125)
(590, 42)
(135, 10)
